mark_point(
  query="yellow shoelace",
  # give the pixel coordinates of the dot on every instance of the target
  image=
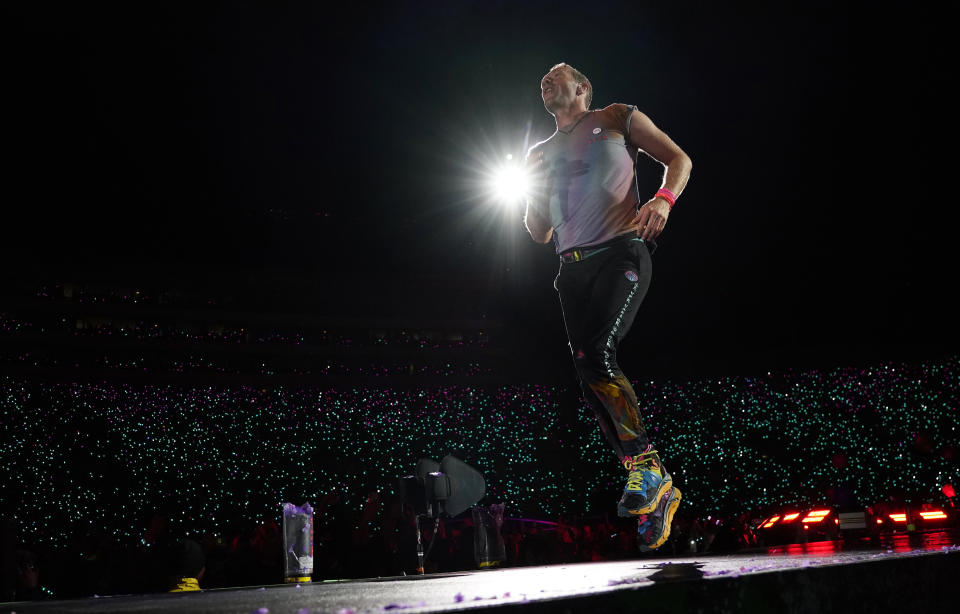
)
(635, 465)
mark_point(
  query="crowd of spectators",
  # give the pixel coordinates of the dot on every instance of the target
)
(239, 366)
(85, 454)
(176, 346)
(211, 330)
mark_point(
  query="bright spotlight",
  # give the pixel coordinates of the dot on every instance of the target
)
(511, 183)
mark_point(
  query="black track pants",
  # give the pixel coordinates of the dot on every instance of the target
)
(600, 296)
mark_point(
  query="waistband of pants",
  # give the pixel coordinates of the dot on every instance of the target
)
(579, 253)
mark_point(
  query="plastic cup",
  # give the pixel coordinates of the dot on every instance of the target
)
(297, 543)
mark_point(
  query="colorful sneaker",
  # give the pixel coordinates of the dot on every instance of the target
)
(654, 529)
(647, 482)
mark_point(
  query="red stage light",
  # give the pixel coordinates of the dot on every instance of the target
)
(932, 515)
(898, 517)
(770, 522)
(816, 516)
(791, 516)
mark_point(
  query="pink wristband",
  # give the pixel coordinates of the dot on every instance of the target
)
(668, 196)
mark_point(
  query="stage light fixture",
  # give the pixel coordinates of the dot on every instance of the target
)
(816, 516)
(445, 488)
(848, 521)
(448, 487)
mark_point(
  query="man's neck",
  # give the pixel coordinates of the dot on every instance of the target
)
(567, 117)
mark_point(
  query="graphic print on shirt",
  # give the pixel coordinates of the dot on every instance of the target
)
(561, 176)
(590, 179)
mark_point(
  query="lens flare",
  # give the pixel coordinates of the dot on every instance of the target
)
(510, 183)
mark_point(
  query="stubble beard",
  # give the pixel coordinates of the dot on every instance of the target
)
(553, 105)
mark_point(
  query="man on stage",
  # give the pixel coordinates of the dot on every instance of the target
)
(586, 199)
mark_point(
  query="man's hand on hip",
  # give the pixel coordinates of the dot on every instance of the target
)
(651, 218)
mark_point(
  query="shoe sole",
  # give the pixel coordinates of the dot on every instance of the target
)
(668, 513)
(665, 485)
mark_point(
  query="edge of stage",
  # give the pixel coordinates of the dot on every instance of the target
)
(814, 580)
(790, 579)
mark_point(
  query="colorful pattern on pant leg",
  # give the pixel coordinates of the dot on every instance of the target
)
(619, 399)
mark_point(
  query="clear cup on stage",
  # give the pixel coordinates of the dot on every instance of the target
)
(297, 543)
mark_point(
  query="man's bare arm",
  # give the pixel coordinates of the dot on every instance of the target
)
(536, 218)
(652, 216)
(539, 228)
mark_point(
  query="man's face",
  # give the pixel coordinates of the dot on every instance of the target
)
(558, 89)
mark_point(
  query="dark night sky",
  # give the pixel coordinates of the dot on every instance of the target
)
(347, 147)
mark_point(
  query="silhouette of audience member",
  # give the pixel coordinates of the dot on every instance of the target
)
(187, 564)
(267, 543)
(241, 561)
(93, 565)
(28, 577)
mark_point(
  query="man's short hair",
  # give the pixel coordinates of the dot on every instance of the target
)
(580, 78)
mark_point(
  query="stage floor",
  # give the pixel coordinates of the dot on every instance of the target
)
(805, 576)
